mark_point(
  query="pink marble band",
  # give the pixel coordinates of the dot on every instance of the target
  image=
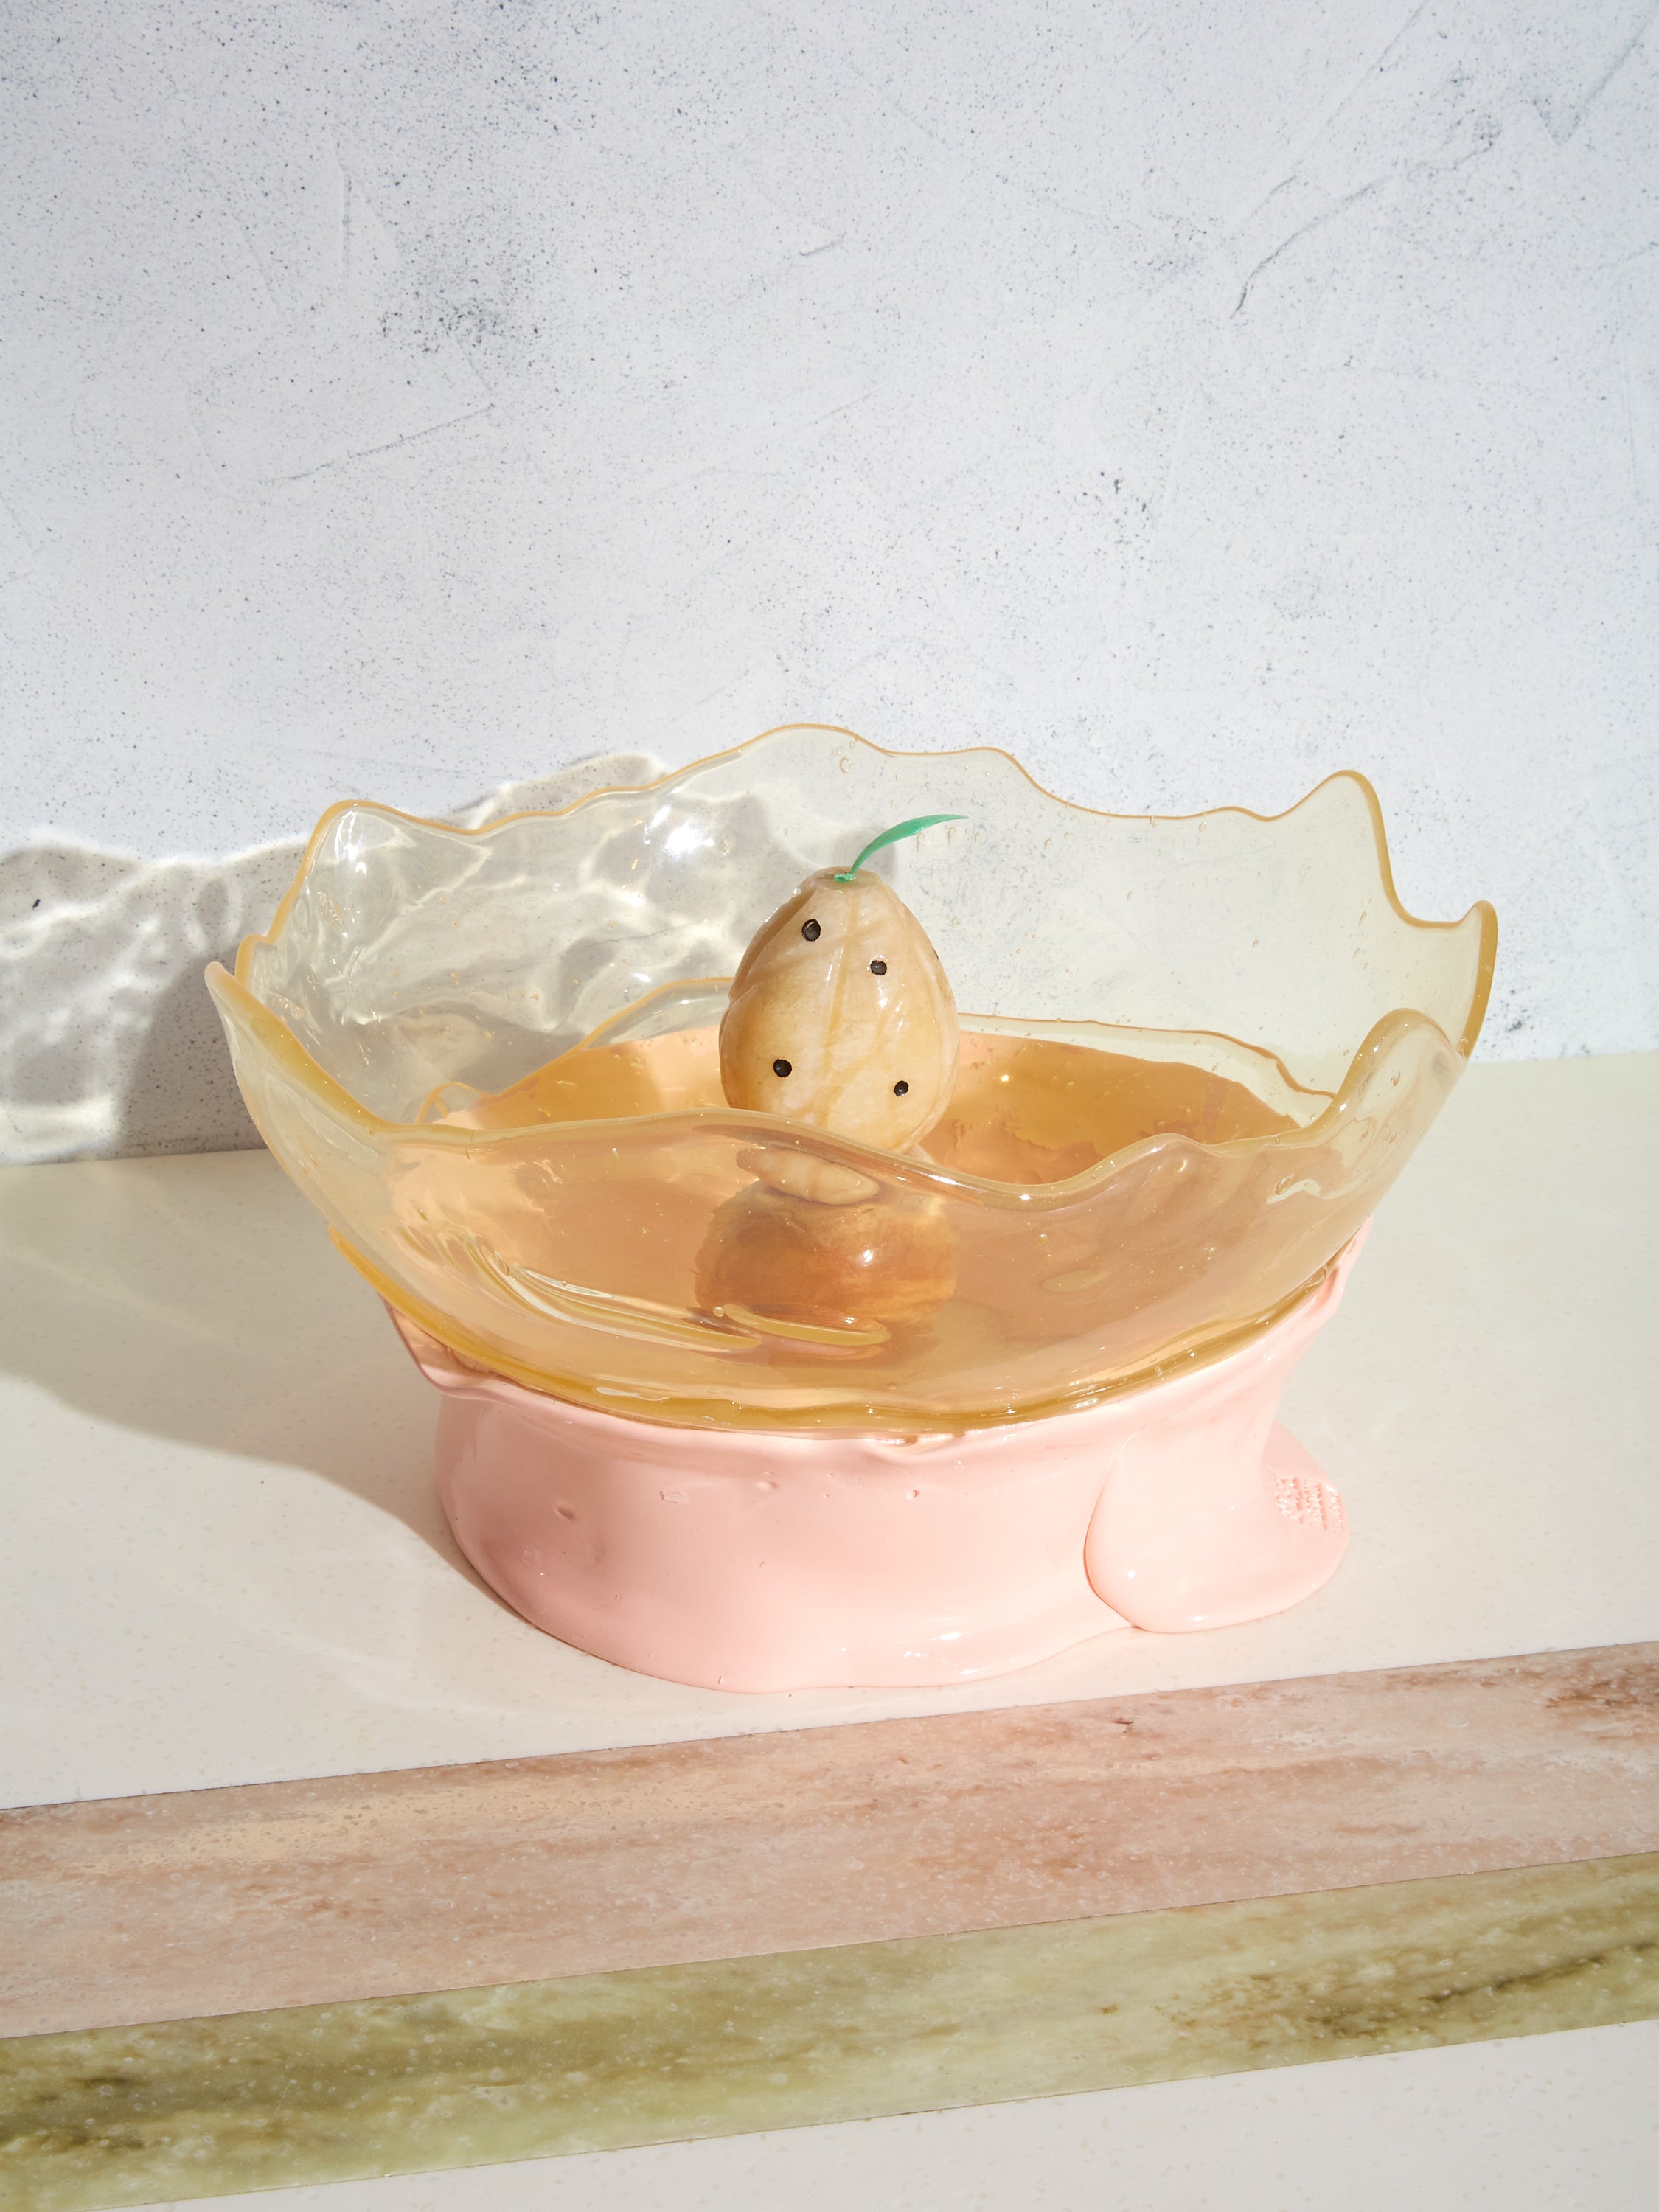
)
(376, 1885)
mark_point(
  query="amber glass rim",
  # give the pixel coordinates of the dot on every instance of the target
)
(277, 1037)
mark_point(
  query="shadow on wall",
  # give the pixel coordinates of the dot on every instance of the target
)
(109, 1044)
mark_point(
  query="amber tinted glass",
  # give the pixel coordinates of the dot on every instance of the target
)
(1195, 1053)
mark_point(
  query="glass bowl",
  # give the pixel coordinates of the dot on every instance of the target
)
(1196, 1051)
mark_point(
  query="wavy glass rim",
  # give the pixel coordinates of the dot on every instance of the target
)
(286, 1046)
(1488, 915)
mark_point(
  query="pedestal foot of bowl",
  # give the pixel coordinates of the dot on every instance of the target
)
(766, 1560)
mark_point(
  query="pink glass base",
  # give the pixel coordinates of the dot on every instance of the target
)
(755, 1560)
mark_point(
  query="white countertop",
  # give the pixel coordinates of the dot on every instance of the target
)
(226, 1564)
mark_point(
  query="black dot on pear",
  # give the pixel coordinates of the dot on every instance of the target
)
(810, 931)
(900, 1088)
(878, 967)
(781, 1067)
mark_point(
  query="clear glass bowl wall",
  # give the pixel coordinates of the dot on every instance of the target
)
(1222, 1037)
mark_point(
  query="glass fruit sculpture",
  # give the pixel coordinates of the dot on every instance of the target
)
(572, 1130)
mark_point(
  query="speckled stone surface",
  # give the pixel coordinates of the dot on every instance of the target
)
(127, 2116)
(406, 399)
(225, 1900)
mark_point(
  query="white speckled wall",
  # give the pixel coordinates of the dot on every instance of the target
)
(404, 397)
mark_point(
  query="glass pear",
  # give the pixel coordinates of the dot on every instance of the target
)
(841, 1016)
